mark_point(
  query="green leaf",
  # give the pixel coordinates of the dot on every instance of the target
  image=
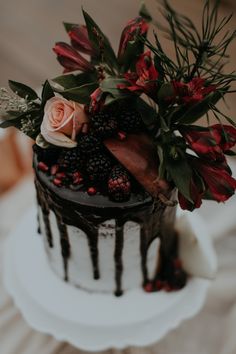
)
(145, 13)
(80, 94)
(98, 40)
(148, 114)
(110, 85)
(47, 93)
(159, 67)
(192, 114)
(66, 81)
(166, 91)
(181, 174)
(14, 122)
(162, 166)
(22, 90)
(31, 117)
(131, 54)
(69, 26)
(71, 80)
(230, 153)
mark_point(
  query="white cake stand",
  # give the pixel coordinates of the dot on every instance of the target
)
(91, 322)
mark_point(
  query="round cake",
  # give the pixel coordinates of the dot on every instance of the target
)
(101, 245)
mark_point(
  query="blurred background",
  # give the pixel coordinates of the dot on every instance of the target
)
(28, 31)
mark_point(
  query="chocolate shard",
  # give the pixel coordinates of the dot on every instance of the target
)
(137, 154)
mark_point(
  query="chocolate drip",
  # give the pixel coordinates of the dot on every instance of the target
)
(143, 252)
(119, 243)
(65, 245)
(42, 201)
(93, 247)
(48, 227)
(38, 221)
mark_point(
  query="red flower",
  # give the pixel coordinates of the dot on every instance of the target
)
(212, 142)
(196, 194)
(217, 179)
(144, 80)
(97, 100)
(70, 59)
(80, 40)
(192, 92)
(203, 141)
(227, 135)
(135, 27)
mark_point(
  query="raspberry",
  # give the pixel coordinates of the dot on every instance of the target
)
(98, 167)
(130, 121)
(119, 184)
(104, 125)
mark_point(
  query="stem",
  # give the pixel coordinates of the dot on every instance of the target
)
(202, 51)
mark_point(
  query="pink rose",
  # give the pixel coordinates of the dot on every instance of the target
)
(62, 121)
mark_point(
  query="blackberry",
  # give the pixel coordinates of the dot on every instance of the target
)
(130, 121)
(89, 144)
(49, 155)
(98, 167)
(119, 187)
(104, 125)
(71, 160)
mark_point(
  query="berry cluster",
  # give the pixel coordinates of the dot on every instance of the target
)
(90, 166)
(175, 280)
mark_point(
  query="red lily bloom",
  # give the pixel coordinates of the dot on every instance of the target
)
(80, 40)
(217, 179)
(227, 135)
(212, 142)
(70, 59)
(144, 80)
(192, 92)
(137, 26)
(203, 141)
(97, 101)
(196, 194)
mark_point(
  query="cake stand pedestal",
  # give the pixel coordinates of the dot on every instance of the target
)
(91, 322)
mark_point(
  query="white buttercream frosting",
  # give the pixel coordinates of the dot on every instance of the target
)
(80, 270)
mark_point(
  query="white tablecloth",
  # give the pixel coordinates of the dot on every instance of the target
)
(212, 331)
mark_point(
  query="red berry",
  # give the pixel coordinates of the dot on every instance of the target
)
(148, 287)
(92, 191)
(78, 180)
(167, 287)
(121, 135)
(54, 169)
(42, 166)
(57, 182)
(77, 174)
(177, 263)
(60, 175)
(159, 284)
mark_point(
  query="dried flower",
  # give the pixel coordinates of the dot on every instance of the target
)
(9, 101)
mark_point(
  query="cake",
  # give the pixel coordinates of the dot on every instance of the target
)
(117, 146)
(101, 245)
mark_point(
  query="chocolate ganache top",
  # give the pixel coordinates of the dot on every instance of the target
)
(99, 204)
